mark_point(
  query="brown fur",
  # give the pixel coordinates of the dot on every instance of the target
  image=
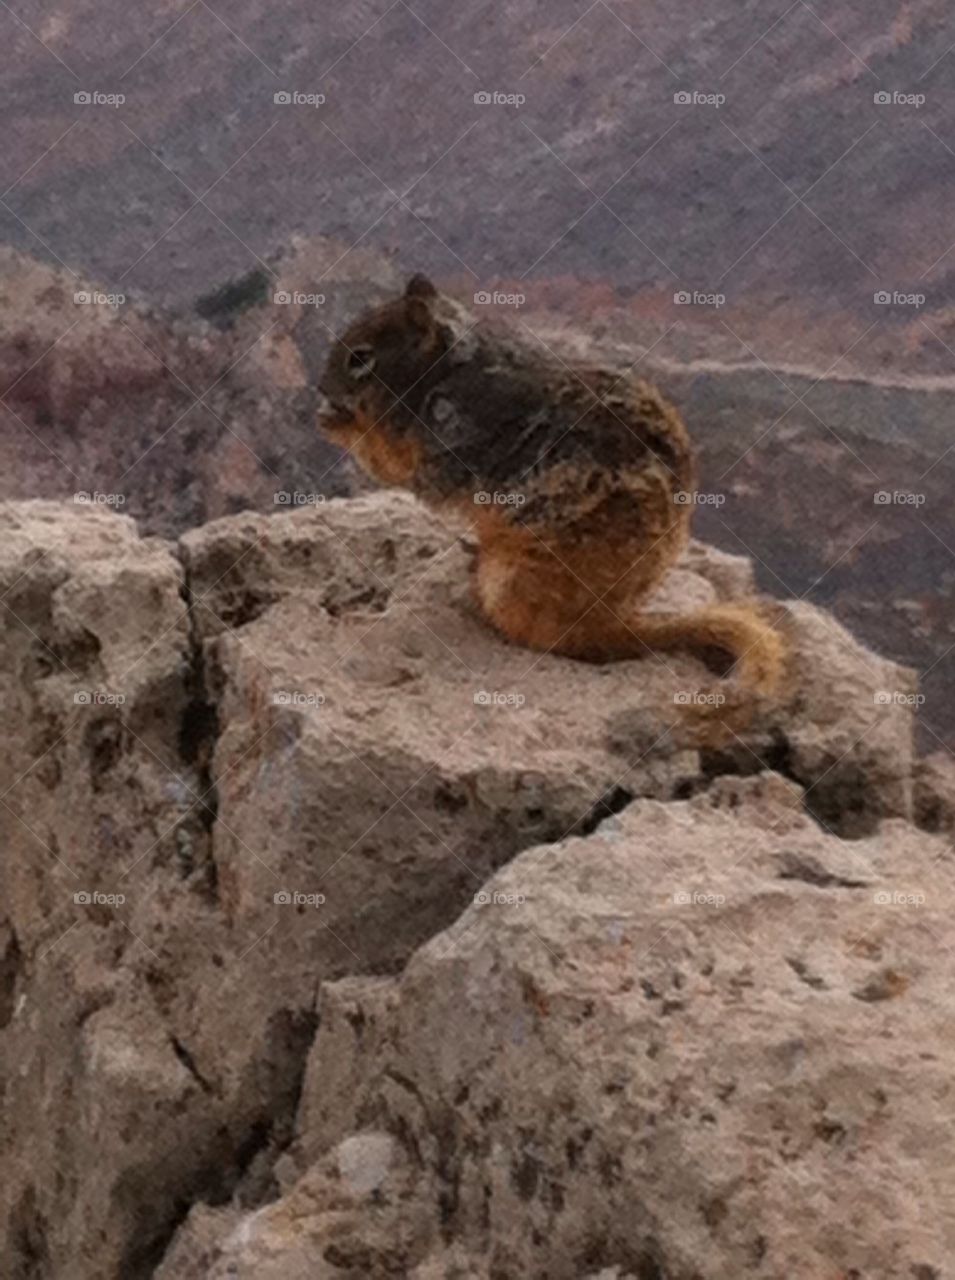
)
(390, 461)
(584, 467)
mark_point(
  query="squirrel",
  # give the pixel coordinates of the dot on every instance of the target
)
(578, 481)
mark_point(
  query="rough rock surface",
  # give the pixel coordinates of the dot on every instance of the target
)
(252, 782)
(707, 1041)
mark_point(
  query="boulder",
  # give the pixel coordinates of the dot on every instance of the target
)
(708, 1040)
(248, 777)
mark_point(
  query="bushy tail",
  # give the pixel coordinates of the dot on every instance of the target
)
(743, 636)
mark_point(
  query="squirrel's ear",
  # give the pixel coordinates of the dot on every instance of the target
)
(420, 297)
(420, 286)
(437, 317)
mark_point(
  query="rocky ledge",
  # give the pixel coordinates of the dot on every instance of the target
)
(341, 939)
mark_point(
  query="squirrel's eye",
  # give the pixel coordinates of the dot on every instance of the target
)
(361, 361)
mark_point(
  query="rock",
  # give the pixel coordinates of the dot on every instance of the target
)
(364, 1161)
(299, 757)
(731, 576)
(845, 733)
(703, 1048)
(935, 793)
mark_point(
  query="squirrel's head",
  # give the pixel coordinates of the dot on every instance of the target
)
(380, 365)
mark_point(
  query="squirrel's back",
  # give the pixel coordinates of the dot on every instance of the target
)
(492, 416)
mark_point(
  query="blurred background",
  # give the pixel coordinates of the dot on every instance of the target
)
(754, 207)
